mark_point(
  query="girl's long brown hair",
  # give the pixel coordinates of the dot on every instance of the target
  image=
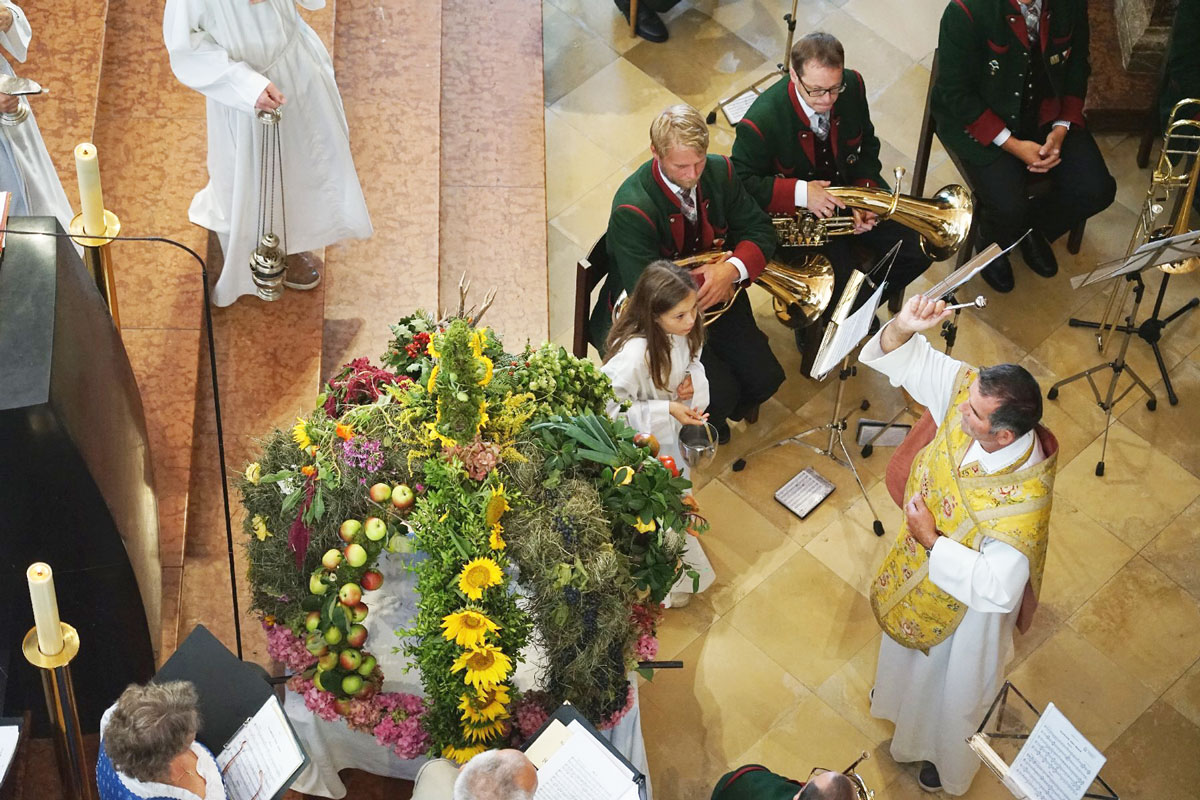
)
(661, 287)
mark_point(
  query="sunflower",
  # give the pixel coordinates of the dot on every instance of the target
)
(643, 526)
(461, 755)
(432, 377)
(483, 732)
(478, 575)
(489, 367)
(467, 628)
(495, 540)
(497, 505)
(485, 666)
(254, 472)
(485, 705)
(259, 526)
(344, 432)
(300, 434)
(431, 350)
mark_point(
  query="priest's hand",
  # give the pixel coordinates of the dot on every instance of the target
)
(9, 103)
(920, 313)
(270, 99)
(6, 20)
(717, 281)
(921, 525)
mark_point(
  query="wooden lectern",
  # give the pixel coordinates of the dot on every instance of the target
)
(76, 481)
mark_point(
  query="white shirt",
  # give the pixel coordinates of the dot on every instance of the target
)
(802, 186)
(743, 273)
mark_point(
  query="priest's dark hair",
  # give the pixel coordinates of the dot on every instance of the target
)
(824, 48)
(661, 287)
(1020, 397)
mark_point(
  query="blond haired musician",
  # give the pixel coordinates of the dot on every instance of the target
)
(971, 548)
(679, 203)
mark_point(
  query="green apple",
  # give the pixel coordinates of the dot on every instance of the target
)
(402, 497)
(315, 644)
(356, 555)
(367, 666)
(315, 583)
(375, 529)
(312, 621)
(399, 543)
(349, 530)
(380, 492)
(327, 661)
(333, 635)
(332, 558)
(350, 594)
(352, 684)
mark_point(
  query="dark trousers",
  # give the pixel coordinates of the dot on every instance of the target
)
(741, 369)
(660, 6)
(1079, 187)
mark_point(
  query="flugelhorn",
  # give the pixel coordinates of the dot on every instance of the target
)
(1173, 187)
(942, 221)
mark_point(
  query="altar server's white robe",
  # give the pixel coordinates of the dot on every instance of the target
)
(229, 50)
(938, 700)
(25, 166)
(650, 412)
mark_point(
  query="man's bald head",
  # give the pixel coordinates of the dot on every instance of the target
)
(497, 775)
(828, 786)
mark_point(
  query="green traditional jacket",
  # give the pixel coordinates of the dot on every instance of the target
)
(754, 782)
(774, 146)
(646, 224)
(1183, 64)
(984, 70)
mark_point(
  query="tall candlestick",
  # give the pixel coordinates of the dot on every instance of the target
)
(45, 608)
(91, 200)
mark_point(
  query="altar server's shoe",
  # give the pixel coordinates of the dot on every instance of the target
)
(1039, 255)
(302, 271)
(928, 779)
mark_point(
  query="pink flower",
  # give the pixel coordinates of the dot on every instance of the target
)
(646, 648)
(321, 703)
(612, 721)
(287, 648)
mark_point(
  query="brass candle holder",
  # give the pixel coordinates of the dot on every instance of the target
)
(97, 259)
(60, 705)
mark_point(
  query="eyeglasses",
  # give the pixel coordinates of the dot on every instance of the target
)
(822, 92)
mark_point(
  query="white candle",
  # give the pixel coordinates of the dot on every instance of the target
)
(45, 608)
(91, 201)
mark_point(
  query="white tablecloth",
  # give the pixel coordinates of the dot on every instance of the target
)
(332, 746)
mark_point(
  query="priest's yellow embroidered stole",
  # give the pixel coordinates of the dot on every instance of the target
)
(1011, 506)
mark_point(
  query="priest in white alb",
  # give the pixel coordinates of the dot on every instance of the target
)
(25, 166)
(245, 55)
(967, 565)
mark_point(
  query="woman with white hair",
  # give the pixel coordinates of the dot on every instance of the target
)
(148, 747)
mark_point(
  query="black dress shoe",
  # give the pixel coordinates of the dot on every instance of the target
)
(649, 26)
(928, 779)
(1038, 255)
(722, 432)
(751, 415)
(998, 274)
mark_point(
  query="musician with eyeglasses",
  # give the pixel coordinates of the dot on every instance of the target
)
(813, 131)
(683, 202)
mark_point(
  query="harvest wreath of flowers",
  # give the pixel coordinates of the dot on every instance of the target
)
(538, 517)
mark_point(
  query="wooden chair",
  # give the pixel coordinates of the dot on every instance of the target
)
(1036, 186)
(633, 4)
(589, 272)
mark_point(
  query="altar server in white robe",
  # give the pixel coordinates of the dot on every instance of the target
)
(653, 362)
(25, 166)
(973, 544)
(244, 55)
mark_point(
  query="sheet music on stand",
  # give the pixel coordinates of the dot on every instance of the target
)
(970, 269)
(845, 329)
(1038, 757)
(263, 757)
(1154, 253)
(575, 762)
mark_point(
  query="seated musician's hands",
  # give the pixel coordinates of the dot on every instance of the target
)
(921, 313)
(821, 202)
(864, 220)
(687, 416)
(1049, 153)
(921, 524)
(684, 390)
(717, 281)
(9, 103)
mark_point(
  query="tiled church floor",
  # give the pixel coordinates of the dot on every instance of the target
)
(780, 652)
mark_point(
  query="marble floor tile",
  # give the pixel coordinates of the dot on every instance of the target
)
(680, 764)
(847, 692)
(1099, 697)
(743, 546)
(603, 19)
(1174, 550)
(1145, 622)
(631, 100)
(1122, 500)
(746, 438)
(575, 165)
(851, 549)
(584, 220)
(867, 52)
(1156, 756)
(896, 113)
(915, 31)
(1184, 695)
(1083, 556)
(381, 52)
(760, 23)
(572, 52)
(705, 62)
(1161, 427)
(563, 255)
(728, 702)
(679, 627)
(805, 618)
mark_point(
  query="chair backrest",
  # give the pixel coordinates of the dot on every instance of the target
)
(589, 272)
(925, 142)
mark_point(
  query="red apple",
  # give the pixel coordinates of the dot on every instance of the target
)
(402, 497)
(367, 666)
(342, 705)
(350, 594)
(333, 635)
(367, 691)
(327, 661)
(372, 579)
(648, 441)
(332, 558)
(352, 684)
(357, 637)
(349, 530)
(350, 660)
(669, 463)
(312, 621)
(358, 612)
(375, 529)
(356, 555)
(380, 492)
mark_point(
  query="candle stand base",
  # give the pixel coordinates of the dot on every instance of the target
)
(97, 259)
(60, 704)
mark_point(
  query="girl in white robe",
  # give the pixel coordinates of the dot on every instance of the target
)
(229, 51)
(25, 166)
(653, 361)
